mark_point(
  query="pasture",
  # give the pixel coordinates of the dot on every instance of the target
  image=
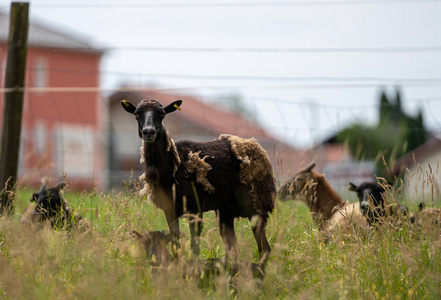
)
(107, 263)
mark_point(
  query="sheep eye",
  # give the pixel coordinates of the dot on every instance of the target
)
(137, 117)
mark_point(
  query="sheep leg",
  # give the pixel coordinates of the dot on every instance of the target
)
(195, 232)
(262, 242)
(226, 228)
(173, 225)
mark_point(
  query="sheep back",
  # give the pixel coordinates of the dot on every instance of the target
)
(255, 171)
(197, 165)
(427, 217)
(347, 220)
(218, 166)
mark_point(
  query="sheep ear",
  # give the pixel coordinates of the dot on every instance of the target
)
(385, 187)
(34, 197)
(136, 235)
(168, 237)
(61, 185)
(173, 106)
(129, 107)
(309, 167)
(352, 187)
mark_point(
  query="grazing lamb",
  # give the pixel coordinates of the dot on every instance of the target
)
(155, 245)
(328, 210)
(50, 206)
(230, 174)
(374, 205)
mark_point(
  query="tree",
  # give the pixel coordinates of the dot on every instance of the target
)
(395, 134)
(385, 113)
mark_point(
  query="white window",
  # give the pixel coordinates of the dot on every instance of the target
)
(40, 73)
(75, 150)
(3, 72)
(40, 137)
(22, 169)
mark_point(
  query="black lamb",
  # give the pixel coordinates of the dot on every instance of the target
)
(51, 206)
(375, 207)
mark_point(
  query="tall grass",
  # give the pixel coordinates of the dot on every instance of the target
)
(107, 263)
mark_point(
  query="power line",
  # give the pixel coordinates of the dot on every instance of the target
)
(376, 80)
(304, 103)
(297, 50)
(261, 50)
(335, 106)
(192, 88)
(230, 4)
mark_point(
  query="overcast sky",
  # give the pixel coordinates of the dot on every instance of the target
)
(305, 68)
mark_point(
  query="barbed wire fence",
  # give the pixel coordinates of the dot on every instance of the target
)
(319, 118)
(76, 148)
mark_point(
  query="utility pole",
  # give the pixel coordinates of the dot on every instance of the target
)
(13, 107)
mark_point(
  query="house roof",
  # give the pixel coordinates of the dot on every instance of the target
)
(45, 36)
(418, 154)
(209, 116)
(337, 152)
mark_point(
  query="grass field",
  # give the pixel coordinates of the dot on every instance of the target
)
(107, 263)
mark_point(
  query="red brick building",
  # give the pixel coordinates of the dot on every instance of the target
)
(62, 121)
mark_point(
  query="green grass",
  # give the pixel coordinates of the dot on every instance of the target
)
(107, 263)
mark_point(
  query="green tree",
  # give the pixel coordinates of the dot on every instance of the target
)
(395, 134)
(385, 113)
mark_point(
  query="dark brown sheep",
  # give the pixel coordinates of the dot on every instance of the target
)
(328, 210)
(230, 174)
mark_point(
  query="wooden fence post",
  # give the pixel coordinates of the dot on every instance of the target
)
(13, 107)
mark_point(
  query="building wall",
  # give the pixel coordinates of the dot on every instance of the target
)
(61, 130)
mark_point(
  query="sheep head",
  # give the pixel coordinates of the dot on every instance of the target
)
(300, 183)
(149, 115)
(50, 202)
(370, 195)
(155, 245)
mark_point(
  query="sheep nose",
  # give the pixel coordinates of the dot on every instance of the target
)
(148, 131)
(364, 205)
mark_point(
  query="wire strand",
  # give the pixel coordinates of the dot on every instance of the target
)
(229, 4)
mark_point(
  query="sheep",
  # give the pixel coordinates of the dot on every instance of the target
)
(155, 245)
(374, 205)
(426, 217)
(50, 206)
(328, 209)
(230, 175)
